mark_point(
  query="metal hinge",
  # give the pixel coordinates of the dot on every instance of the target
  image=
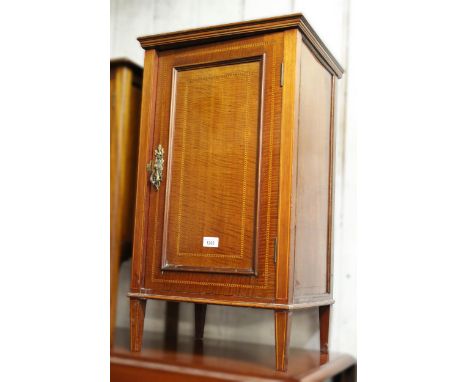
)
(282, 74)
(275, 250)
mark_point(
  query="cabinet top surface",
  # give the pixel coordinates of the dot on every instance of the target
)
(221, 32)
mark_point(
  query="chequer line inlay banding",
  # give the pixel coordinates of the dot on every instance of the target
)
(245, 167)
(160, 278)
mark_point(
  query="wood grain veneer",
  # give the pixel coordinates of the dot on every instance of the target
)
(208, 163)
(261, 169)
(244, 112)
(125, 103)
(312, 178)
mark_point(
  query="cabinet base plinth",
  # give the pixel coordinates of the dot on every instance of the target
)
(320, 300)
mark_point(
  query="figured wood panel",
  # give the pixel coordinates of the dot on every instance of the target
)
(213, 167)
(313, 178)
(237, 56)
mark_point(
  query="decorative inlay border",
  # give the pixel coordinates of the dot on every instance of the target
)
(244, 182)
(228, 49)
(154, 277)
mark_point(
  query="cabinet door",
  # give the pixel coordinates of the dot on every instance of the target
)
(212, 223)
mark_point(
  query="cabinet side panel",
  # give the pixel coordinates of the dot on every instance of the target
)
(312, 183)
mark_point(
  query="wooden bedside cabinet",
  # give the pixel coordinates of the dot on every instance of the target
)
(235, 173)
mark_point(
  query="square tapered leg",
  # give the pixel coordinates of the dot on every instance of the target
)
(200, 314)
(324, 318)
(282, 334)
(137, 319)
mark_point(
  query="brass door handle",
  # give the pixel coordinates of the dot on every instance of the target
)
(156, 166)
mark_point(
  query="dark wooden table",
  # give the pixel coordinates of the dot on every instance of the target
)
(185, 359)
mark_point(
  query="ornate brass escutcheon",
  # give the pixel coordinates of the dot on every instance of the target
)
(155, 167)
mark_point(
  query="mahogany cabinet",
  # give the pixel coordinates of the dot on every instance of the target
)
(235, 173)
(125, 104)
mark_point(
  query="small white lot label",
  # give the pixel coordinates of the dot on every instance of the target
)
(210, 242)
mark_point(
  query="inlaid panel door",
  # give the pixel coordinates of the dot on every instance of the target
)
(212, 224)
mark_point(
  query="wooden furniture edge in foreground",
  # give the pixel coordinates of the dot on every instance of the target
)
(186, 359)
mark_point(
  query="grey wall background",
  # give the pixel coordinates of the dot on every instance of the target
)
(330, 19)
